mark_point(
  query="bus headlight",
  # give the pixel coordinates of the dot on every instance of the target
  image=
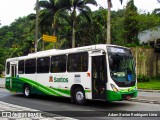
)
(114, 88)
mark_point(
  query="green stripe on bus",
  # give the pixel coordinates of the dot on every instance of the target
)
(17, 85)
(40, 87)
(46, 90)
(64, 91)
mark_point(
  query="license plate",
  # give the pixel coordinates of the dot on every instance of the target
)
(128, 97)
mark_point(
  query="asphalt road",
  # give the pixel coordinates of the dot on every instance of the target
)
(63, 106)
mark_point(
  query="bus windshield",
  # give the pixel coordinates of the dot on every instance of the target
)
(122, 67)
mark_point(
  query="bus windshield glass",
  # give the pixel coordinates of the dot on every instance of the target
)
(122, 66)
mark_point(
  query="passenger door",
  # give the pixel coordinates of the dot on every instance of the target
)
(13, 74)
(99, 77)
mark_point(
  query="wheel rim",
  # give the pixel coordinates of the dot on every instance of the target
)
(27, 92)
(79, 96)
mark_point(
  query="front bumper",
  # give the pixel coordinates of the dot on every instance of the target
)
(118, 96)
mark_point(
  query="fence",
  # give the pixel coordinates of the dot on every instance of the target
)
(147, 61)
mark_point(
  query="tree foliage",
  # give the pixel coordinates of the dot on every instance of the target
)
(16, 39)
(90, 28)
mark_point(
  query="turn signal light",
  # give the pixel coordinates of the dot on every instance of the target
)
(114, 88)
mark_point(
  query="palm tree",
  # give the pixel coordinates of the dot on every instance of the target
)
(92, 29)
(108, 40)
(48, 14)
(73, 6)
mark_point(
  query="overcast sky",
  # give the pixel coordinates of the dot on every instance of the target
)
(13, 9)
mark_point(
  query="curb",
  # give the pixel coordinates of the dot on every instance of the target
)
(145, 101)
(143, 90)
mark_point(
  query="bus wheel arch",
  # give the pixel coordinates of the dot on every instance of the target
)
(78, 94)
(26, 90)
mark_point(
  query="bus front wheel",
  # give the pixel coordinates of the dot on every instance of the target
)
(79, 96)
(26, 91)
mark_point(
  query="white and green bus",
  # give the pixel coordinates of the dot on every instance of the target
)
(96, 72)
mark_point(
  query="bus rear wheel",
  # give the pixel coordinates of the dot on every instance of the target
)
(79, 96)
(26, 91)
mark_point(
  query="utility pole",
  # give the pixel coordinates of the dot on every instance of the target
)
(108, 41)
(36, 27)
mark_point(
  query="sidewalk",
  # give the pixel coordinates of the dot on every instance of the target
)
(148, 96)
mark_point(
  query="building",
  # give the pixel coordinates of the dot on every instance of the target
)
(148, 36)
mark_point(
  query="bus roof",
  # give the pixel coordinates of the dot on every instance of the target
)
(65, 51)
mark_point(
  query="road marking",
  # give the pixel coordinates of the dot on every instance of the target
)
(11, 111)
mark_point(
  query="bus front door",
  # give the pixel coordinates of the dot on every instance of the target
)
(99, 77)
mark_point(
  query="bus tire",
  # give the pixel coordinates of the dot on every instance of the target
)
(79, 96)
(26, 91)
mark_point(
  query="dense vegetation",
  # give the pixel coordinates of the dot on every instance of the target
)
(86, 26)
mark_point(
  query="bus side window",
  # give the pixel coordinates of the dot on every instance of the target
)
(30, 66)
(58, 64)
(43, 65)
(72, 62)
(84, 62)
(78, 62)
(21, 67)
